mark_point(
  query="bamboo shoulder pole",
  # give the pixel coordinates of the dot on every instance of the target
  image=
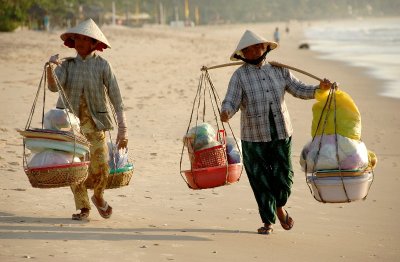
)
(204, 68)
(295, 69)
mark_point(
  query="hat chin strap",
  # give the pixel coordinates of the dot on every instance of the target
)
(254, 61)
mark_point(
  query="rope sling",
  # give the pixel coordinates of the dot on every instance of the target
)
(329, 106)
(61, 175)
(117, 177)
(206, 92)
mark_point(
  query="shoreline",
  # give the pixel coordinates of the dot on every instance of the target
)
(156, 217)
(366, 35)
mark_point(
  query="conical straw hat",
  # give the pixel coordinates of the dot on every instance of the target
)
(87, 28)
(249, 38)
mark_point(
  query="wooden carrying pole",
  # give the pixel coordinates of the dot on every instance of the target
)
(271, 63)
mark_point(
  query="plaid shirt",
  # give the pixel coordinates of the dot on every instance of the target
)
(95, 79)
(259, 91)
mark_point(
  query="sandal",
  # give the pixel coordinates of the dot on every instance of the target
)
(105, 211)
(84, 214)
(265, 230)
(285, 223)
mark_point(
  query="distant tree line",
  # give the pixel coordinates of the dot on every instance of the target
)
(64, 13)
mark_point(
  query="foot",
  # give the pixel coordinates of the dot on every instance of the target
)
(286, 221)
(84, 214)
(265, 230)
(102, 206)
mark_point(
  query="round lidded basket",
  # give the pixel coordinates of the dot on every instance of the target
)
(341, 187)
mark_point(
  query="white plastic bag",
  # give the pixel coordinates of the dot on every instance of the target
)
(117, 158)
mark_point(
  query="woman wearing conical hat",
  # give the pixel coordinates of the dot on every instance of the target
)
(89, 81)
(258, 89)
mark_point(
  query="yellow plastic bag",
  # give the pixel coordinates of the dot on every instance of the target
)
(348, 118)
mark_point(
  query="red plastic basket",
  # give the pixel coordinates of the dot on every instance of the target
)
(213, 176)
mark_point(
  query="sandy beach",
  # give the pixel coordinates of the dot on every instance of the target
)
(157, 217)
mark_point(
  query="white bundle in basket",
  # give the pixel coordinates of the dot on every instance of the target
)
(202, 136)
(353, 154)
(52, 158)
(60, 119)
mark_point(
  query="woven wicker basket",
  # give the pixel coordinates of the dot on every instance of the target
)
(209, 157)
(116, 179)
(57, 176)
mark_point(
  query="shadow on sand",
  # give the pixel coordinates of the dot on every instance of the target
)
(17, 227)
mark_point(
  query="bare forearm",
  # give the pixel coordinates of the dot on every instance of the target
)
(51, 80)
(52, 83)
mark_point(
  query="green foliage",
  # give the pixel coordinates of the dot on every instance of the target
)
(7, 25)
(11, 15)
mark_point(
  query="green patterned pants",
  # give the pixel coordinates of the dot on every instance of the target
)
(269, 169)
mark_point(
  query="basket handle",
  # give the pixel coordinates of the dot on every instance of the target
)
(221, 136)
